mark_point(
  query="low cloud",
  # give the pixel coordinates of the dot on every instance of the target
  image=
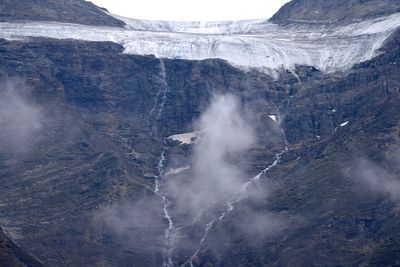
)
(378, 179)
(20, 118)
(226, 135)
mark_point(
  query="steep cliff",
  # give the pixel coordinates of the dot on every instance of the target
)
(99, 149)
(12, 256)
(342, 11)
(71, 11)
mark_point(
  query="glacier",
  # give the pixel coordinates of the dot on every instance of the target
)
(247, 44)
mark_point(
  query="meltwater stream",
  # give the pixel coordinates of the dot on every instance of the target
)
(167, 251)
(161, 97)
(153, 119)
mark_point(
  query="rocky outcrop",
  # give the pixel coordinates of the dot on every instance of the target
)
(100, 143)
(320, 11)
(326, 208)
(12, 256)
(71, 11)
(78, 187)
(98, 148)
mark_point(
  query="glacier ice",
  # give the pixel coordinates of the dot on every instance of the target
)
(244, 44)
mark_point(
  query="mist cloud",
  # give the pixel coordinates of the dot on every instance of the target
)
(378, 179)
(225, 135)
(20, 119)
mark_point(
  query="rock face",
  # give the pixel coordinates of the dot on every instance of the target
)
(13, 256)
(85, 145)
(334, 11)
(338, 213)
(99, 144)
(71, 11)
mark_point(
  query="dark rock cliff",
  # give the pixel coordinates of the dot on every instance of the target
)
(98, 148)
(96, 143)
(336, 221)
(72, 11)
(334, 11)
(13, 256)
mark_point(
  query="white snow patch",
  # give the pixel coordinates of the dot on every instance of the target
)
(185, 138)
(344, 124)
(177, 170)
(245, 44)
(274, 118)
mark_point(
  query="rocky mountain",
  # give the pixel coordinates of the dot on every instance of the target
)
(149, 145)
(70, 11)
(11, 255)
(320, 11)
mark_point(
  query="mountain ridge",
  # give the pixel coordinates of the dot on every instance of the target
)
(12, 256)
(72, 11)
(340, 11)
